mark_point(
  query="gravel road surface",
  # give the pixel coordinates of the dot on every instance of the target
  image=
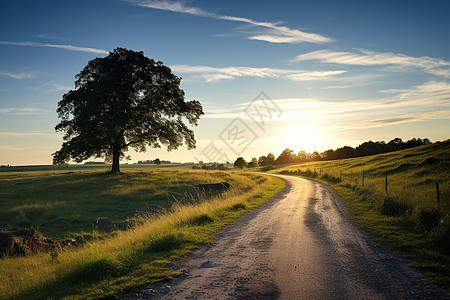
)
(299, 245)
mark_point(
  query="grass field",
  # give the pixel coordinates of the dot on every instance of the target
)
(408, 215)
(64, 203)
(118, 261)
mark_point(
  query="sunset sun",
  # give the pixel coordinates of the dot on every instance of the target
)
(303, 138)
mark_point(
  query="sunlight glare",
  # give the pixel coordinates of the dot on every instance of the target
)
(303, 138)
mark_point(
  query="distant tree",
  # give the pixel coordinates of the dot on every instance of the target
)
(315, 156)
(124, 100)
(287, 156)
(240, 163)
(270, 159)
(253, 163)
(157, 161)
(328, 155)
(302, 156)
(344, 152)
(262, 160)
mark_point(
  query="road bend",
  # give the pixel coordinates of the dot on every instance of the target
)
(299, 245)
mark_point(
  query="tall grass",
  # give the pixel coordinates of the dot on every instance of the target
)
(133, 258)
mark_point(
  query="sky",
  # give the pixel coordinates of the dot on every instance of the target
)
(270, 75)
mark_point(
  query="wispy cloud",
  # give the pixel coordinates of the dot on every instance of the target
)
(11, 149)
(212, 74)
(431, 65)
(17, 134)
(66, 47)
(274, 33)
(19, 111)
(49, 36)
(337, 87)
(22, 75)
(407, 118)
(430, 100)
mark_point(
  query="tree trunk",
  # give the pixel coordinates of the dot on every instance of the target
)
(116, 159)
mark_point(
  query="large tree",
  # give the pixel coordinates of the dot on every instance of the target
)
(124, 100)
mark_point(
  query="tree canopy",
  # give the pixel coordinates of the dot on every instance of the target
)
(240, 163)
(124, 100)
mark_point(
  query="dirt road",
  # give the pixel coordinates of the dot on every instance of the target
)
(299, 245)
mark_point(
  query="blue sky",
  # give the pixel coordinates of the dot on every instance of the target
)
(336, 72)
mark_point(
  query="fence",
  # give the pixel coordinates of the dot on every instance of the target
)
(415, 191)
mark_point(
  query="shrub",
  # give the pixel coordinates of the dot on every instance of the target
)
(238, 206)
(393, 207)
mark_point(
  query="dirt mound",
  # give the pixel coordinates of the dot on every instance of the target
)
(102, 222)
(214, 187)
(27, 241)
(430, 161)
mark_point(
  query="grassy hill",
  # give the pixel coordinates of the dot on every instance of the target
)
(114, 260)
(64, 204)
(407, 214)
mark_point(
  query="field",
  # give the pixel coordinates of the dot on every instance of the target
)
(64, 204)
(61, 204)
(407, 214)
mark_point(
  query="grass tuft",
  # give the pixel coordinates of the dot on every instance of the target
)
(238, 206)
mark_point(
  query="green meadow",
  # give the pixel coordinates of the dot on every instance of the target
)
(407, 213)
(63, 204)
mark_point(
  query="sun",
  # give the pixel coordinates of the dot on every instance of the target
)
(303, 138)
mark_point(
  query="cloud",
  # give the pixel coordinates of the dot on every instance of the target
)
(337, 87)
(10, 149)
(26, 75)
(23, 134)
(315, 75)
(431, 65)
(212, 74)
(428, 101)
(17, 111)
(49, 36)
(274, 32)
(408, 118)
(66, 47)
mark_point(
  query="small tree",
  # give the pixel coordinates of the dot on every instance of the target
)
(253, 163)
(270, 159)
(124, 100)
(240, 163)
(157, 161)
(287, 156)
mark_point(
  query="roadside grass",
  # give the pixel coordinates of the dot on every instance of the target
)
(407, 217)
(64, 204)
(129, 260)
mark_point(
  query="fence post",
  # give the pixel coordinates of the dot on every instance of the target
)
(362, 178)
(386, 184)
(438, 200)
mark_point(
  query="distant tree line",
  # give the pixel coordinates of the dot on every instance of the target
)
(155, 162)
(214, 166)
(365, 149)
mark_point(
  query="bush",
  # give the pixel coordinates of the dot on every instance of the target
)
(238, 206)
(393, 207)
(166, 243)
(428, 217)
(200, 220)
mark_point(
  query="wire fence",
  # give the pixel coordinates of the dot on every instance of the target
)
(427, 192)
